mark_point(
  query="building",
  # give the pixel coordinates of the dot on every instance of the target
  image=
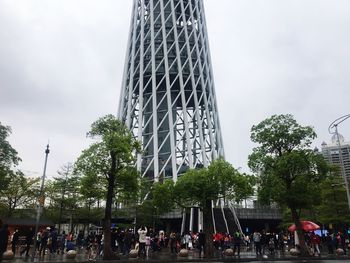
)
(168, 98)
(338, 155)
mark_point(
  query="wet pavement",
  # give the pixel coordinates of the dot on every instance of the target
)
(166, 256)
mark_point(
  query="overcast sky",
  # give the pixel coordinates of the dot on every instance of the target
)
(61, 65)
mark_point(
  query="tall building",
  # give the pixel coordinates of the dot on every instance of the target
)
(338, 155)
(168, 97)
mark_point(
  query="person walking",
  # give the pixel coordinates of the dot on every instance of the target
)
(29, 240)
(14, 241)
(142, 241)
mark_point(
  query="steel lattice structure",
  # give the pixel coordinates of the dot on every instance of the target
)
(168, 96)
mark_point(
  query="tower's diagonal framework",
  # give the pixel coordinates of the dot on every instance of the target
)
(168, 97)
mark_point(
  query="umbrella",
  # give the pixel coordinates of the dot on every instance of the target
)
(307, 226)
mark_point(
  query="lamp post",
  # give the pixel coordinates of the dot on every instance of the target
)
(41, 200)
(333, 129)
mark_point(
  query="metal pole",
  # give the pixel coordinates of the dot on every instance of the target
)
(41, 200)
(62, 199)
(342, 165)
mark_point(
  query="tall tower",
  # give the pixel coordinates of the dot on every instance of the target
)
(168, 96)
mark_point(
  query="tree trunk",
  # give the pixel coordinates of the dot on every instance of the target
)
(304, 250)
(107, 250)
(208, 229)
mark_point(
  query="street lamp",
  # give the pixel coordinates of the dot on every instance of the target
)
(41, 201)
(333, 129)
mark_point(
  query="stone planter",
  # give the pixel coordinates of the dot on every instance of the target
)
(339, 252)
(294, 252)
(8, 255)
(228, 252)
(183, 253)
(133, 253)
(71, 254)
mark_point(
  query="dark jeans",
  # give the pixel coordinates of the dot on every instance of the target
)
(201, 247)
(173, 248)
(127, 247)
(43, 246)
(257, 248)
(142, 249)
(14, 245)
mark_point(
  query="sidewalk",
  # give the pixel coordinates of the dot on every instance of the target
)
(165, 256)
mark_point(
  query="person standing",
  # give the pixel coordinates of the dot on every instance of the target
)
(54, 241)
(187, 238)
(237, 243)
(257, 242)
(172, 241)
(330, 243)
(127, 242)
(148, 244)
(142, 241)
(4, 236)
(201, 243)
(44, 239)
(315, 242)
(29, 240)
(14, 241)
(63, 242)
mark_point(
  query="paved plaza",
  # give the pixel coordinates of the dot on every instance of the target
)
(166, 256)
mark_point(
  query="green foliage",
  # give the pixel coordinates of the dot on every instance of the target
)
(289, 172)
(64, 190)
(163, 196)
(8, 157)
(92, 189)
(198, 186)
(219, 180)
(110, 160)
(20, 193)
(95, 162)
(115, 137)
(333, 209)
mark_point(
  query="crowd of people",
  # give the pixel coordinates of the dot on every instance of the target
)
(147, 240)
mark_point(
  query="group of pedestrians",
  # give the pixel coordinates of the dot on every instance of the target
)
(145, 240)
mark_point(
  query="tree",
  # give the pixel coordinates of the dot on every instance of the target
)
(110, 158)
(334, 207)
(290, 173)
(64, 192)
(199, 187)
(8, 157)
(20, 192)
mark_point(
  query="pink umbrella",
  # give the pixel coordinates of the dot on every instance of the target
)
(307, 226)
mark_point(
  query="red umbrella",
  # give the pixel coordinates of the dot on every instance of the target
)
(307, 226)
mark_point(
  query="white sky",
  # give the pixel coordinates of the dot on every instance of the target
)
(61, 65)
